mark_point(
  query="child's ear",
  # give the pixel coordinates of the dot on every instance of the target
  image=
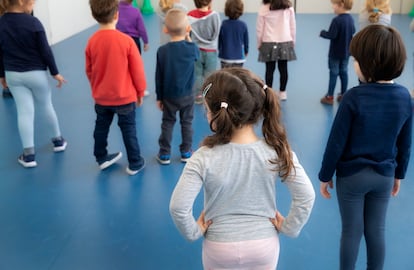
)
(164, 29)
(116, 15)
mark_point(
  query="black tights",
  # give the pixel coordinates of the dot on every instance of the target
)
(270, 70)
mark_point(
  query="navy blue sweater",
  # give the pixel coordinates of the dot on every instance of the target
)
(340, 33)
(174, 72)
(233, 43)
(23, 45)
(372, 128)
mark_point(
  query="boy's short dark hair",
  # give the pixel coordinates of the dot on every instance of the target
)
(201, 3)
(103, 10)
(233, 9)
(380, 52)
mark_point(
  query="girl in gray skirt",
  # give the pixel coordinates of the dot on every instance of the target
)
(276, 36)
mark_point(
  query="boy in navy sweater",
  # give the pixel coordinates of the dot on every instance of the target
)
(174, 80)
(340, 33)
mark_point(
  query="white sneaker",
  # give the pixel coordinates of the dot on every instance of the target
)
(146, 93)
(282, 95)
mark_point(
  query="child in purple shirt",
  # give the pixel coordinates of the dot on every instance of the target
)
(131, 23)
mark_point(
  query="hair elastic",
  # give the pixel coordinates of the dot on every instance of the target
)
(375, 10)
(224, 105)
(265, 87)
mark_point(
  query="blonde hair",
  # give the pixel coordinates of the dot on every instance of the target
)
(377, 7)
(347, 3)
(166, 5)
(176, 22)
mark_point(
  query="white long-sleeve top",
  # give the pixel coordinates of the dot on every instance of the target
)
(239, 194)
(275, 25)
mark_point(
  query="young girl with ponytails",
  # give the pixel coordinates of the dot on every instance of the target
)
(238, 170)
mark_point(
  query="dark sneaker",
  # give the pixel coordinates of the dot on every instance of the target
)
(134, 171)
(109, 160)
(59, 145)
(164, 159)
(327, 100)
(7, 93)
(186, 156)
(27, 161)
(339, 98)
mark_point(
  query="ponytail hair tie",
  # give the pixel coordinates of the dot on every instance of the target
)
(224, 105)
(265, 87)
(375, 10)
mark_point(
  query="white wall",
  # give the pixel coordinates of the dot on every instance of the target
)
(304, 6)
(62, 18)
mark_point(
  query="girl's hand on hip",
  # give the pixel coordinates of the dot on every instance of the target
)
(277, 221)
(202, 223)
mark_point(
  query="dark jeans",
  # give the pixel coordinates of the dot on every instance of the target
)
(363, 201)
(126, 122)
(337, 67)
(185, 107)
(229, 65)
(283, 71)
(138, 43)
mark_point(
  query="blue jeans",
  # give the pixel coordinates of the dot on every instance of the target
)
(126, 122)
(363, 201)
(185, 107)
(204, 66)
(338, 67)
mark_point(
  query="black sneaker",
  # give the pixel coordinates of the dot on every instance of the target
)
(109, 160)
(27, 161)
(7, 93)
(134, 171)
(59, 145)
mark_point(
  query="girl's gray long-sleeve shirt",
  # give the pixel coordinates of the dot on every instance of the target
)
(239, 194)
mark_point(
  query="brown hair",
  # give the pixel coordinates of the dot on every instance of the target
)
(379, 51)
(103, 10)
(176, 22)
(201, 3)
(233, 9)
(248, 101)
(6, 4)
(347, 3)
(278, 4)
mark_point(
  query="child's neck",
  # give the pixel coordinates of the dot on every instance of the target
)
(107, 26)
(244, 135)
(383, 81)
(342, 11)
(204, 9)
(177, 38)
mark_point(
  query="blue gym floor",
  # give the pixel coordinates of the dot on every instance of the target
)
(67, 214)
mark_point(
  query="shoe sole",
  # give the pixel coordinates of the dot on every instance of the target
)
(30, 164)
(163, 162)
(108, 163)
(60, 148)
(184, 160)
(134, 172)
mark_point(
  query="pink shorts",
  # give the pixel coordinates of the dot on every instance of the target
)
(260, 254)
